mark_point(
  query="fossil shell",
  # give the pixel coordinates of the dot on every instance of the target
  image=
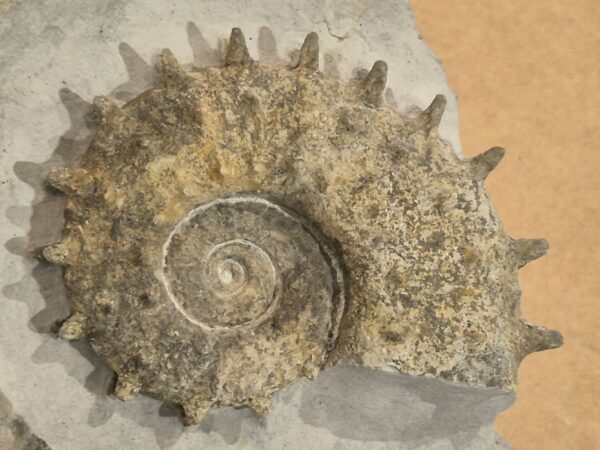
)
(233, 263)
(236, 228)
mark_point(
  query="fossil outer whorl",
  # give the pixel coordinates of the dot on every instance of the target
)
(207, 223)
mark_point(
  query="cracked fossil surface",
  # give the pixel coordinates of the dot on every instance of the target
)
(236, 228)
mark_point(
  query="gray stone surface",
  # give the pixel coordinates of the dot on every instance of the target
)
(344, 409)
(55, 57)
(14, 432)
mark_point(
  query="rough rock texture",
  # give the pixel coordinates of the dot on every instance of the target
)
(61, 390)
(223, 303)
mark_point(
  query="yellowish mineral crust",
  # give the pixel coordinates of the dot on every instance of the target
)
(236, 228)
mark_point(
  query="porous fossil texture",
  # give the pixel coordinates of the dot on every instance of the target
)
(236, 228)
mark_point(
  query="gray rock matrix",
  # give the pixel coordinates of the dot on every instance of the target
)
(334, 230)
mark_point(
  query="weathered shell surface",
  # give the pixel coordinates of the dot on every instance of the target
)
(208, 223)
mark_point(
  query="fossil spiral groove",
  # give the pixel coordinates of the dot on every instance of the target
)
(223, 264)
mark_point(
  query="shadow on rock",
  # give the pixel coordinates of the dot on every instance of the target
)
(365, 405)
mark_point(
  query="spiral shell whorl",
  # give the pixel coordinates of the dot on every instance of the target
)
(223, 262)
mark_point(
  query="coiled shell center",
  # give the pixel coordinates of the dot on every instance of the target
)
(225, 263)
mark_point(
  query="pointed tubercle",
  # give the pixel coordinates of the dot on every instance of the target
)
(261, 405)
(194, 412)
(75, 327)
(103, 109)
(169, 68)
(310, 372)
(70, 181)
(237, 51)
(431, 117)
(483, 164)
(539, 339)
(126, 388)
(527, 250)
(309, 53)
(375, 83)
(56, 254)
(61, 180)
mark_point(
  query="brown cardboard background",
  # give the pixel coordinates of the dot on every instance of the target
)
(527, 74)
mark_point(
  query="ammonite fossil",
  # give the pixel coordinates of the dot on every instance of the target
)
(236, 228)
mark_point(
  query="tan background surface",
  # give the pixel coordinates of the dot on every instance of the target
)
(527, 74)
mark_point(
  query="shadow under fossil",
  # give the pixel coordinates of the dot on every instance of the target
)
(45, 227)
(371, 405)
